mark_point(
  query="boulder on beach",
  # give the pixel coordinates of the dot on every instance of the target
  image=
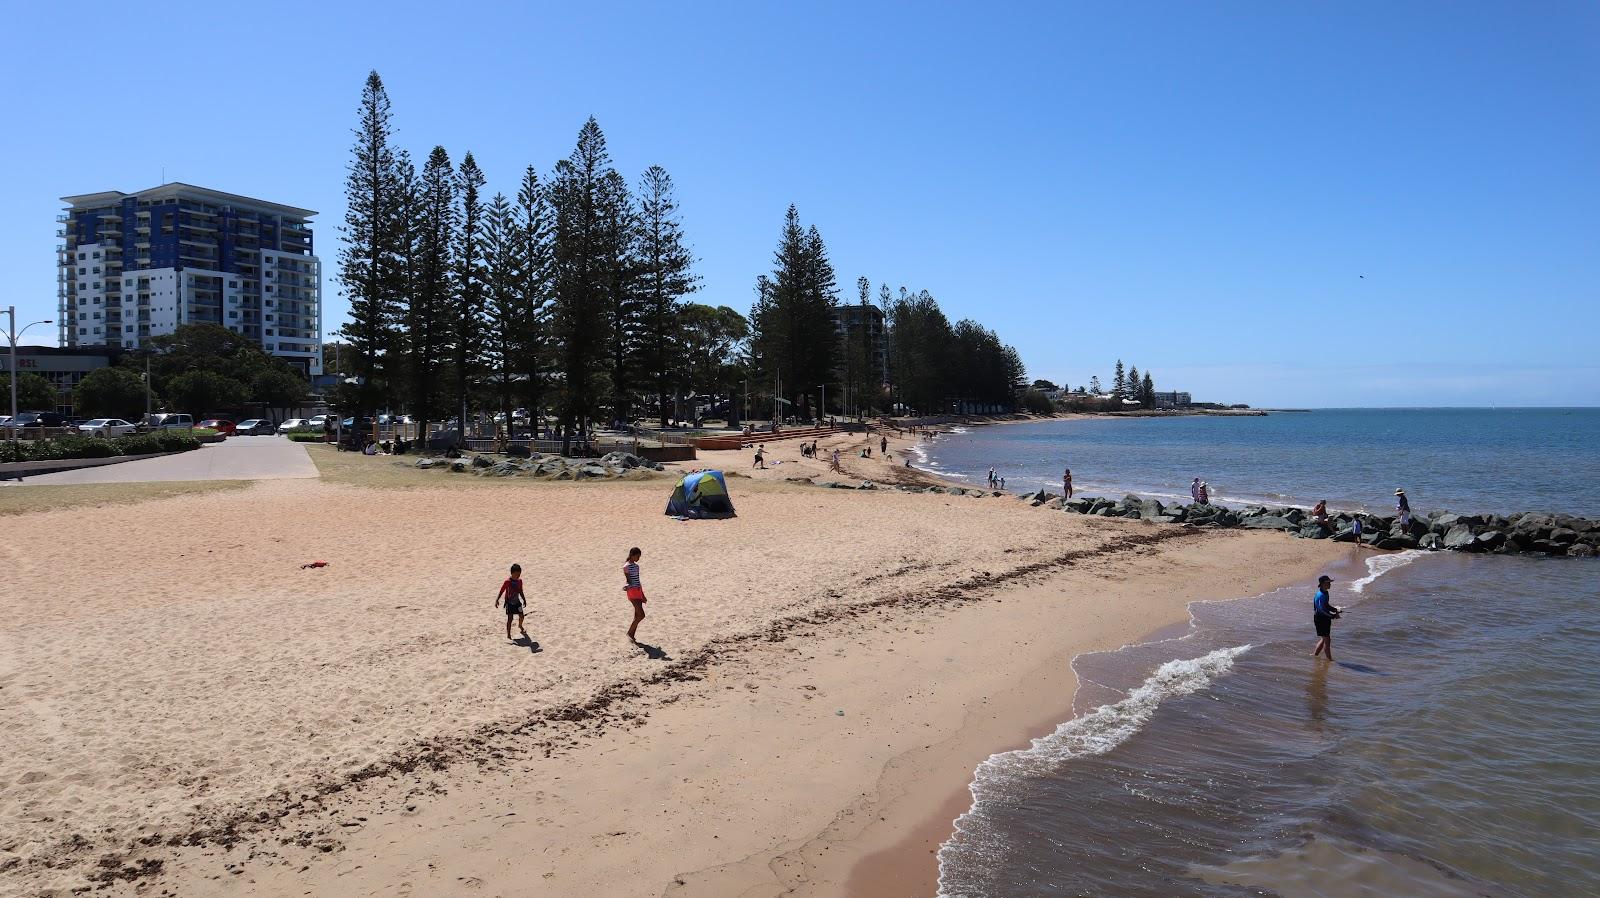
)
(482, 461)
(1459, 537)
(426, 462)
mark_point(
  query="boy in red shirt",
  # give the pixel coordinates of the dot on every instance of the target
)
(511, 591)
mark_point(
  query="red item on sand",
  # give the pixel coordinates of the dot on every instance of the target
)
(314, 564)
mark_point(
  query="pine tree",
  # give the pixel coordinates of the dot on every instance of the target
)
(581, 275)
(510, 321)
(1130, 387)
(433, 290)
(466, 317)
(793, 336)
(664, 278)
(1147, 391)
(1094, 385)
(1119, 382)
(368, 258)
(534, 234)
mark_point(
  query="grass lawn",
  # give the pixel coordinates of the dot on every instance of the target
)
(391, 472)
(16, 500)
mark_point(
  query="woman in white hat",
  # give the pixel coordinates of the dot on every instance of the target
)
(1402, 507)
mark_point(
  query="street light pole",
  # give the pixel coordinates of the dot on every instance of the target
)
(12, 335)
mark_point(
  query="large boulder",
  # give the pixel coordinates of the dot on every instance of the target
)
(1151, 508)
(867, 485)
(1429, 541)
(590, 472)
(1459, 537)
(1053, 503)
(1581, 550)
(1488, 540)
(506, 468)
(1397, 541)
(1563, 535)
(1441, 522)
(1315, 530)
(1079, 505)
(458, 465)
(426, 462)
(482, 461)
(1178, 513)
(621, 460)
(1269, 522)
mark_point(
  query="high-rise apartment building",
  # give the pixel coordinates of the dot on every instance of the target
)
(137, 265)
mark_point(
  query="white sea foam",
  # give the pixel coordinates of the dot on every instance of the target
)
(1378, 565)
(999, 777)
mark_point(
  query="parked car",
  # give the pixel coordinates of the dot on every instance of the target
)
(40, 419)
(106, 427)
(317, 422)
(255, 427)
(167, 421)
(293, 425)
(220, 425)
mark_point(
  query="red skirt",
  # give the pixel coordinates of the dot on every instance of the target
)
(635, 594)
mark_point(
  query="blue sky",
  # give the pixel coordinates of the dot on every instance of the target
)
(1195, 188)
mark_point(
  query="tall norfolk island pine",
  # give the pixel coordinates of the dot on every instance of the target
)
(663, 279)
(466, 318)
(433, 286)
(369, 260)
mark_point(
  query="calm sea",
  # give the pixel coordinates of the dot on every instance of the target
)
(1452, 750)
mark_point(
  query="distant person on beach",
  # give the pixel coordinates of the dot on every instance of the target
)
(1205, 493)
(836, 460)
(761, 457)
(516, 602)
(1320, 513)
(1002, 483)
(883, 445)
(634, 589)
(1402, 508)
(1194, 490)
(1355, 528)
(1322, 615)
(1066, 483)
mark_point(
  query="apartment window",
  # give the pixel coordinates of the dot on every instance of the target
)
(81, 257)
(97, 314)
(97, 285)
(269, 288)
(97, 330)
(82, 331)
(83, 271)
(97, 255)
(269, 331)
(129, 329)
(83, 316)
(233, 314)
(127, 283)
(233, 283)
(97, 269)
(269, 317)
(82, 286)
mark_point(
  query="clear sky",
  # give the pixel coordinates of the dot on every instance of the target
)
(1281, 204)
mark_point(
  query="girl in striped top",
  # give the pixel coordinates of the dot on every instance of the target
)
(634, 589)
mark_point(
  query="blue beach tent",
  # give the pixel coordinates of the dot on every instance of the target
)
(701, 495)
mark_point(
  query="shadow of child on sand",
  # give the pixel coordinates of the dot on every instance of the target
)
(528, 643)
(653, 652)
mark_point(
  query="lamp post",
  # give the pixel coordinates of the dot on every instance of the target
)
(12, 334)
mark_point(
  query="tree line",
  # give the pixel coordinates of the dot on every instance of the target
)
(567, 296)
(571, 296)
(803, 338)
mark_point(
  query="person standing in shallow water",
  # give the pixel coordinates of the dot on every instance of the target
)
(1402, 509)
(1066, 483)
(1322, 614)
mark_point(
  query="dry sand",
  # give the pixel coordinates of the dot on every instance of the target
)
(184, 710)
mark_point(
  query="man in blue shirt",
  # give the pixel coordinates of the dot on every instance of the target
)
(1322, 615)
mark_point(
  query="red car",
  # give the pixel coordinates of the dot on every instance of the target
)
(219, 425)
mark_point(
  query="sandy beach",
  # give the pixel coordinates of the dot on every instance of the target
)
(187, 711)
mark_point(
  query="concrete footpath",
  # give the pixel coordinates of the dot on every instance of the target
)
(236, 458)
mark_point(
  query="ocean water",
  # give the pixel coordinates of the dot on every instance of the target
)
(1453, 749)
(1466, 460)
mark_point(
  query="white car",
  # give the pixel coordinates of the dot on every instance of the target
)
(107, 427)
(293, 425)
(317, 422)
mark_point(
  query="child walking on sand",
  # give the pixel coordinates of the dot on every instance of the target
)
(634, 589)
(511, 592)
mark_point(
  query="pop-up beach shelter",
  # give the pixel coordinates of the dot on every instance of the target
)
(701, 495)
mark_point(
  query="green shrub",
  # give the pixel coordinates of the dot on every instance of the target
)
(13, 451)
(71, 447)
(177, 440)
(138, 444)
(204, 432)
(306, 438)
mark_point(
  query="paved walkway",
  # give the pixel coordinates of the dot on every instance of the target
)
(236, 458)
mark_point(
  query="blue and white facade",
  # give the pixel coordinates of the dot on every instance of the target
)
(137, 265)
